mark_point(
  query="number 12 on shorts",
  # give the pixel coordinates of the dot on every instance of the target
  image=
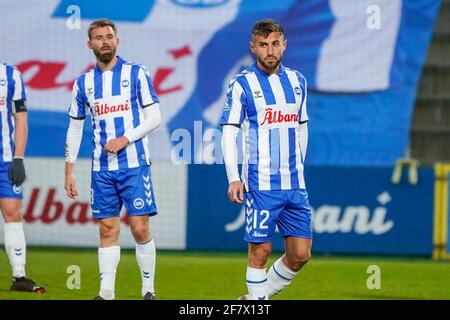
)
(261, 217)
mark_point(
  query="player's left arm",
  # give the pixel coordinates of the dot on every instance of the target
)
(149, 102)
(303, 122)
(17, 170)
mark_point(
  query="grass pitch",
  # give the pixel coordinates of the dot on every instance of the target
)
(221, 276)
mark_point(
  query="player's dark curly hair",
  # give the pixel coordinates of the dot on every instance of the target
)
(101, 23)
(265, 27)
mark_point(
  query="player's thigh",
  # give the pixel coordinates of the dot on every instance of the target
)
(262, 209)
(105, 201)
(295, 219)
(135, 188)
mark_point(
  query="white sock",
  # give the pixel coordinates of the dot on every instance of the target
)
(256, 283)
(15, 247)
(146, 258)
(279, 277)
(108, 260)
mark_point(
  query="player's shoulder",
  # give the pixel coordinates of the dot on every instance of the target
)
(136, 66)
(296, 72)
(84, 74)
(239, 78)
(8, 66)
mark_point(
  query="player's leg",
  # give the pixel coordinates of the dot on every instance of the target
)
(256, 277)
(14, 236)
(106, 209)
(145, 254)
(15, 246)
(136, 191)
(286, 268)
(261, 212)
(108, 255)
(295, 226)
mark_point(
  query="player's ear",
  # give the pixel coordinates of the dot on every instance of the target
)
(89, 44)
(252, 46)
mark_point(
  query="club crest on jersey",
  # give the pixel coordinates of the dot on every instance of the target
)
(271, 116)
(297, 91)
(2, 82)
(125, 83)
(104, 108)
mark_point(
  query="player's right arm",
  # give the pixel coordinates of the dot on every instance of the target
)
(230, 157)
(77, 114)
(232, 118)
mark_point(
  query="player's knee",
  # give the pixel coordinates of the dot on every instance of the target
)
(298, 260)
(11, 210)
(258, 256)
(12, 218)
(109, 231)
(140, 232)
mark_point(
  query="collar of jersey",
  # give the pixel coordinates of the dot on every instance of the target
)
(255, 68)
(119, 62)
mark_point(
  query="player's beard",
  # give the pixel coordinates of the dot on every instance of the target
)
(273, 64)
(105, 57)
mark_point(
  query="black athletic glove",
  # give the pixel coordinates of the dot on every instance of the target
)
(17, 172)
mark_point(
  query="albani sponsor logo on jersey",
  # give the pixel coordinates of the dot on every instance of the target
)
(104, 108)
(271, 116)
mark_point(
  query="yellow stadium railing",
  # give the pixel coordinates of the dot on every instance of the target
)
(441, 211)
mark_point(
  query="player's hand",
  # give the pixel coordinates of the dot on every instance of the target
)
(236, 192)
(117, 144)
(16, 172)
(70, 186)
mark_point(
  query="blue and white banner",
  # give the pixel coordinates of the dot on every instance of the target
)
(355, 210)
(362, 60)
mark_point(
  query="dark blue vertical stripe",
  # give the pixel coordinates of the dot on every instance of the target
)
(267, 90)
(98, 85)
(150, 87)
(116, 85)
(252, 115)
(1, 144)
(81, 97)
(274, 150)
(24, 94)
(11, 87)
(120, 130)
(287, 88)
(292, 162)
(302, 82)
(103, 155)
(135, 111)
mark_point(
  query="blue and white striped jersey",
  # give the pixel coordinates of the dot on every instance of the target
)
(115, 99)
(269, 109)
(12, 91)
